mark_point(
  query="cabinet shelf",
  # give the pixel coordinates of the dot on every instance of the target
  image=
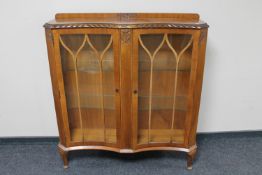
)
(95, 135)
(164, 70)
(162, 102)
(141, 70)
(159, 109)
(109, 68)
(93, 95)
(93, 70)
(93, 101)
(140, 109)
(92, 107)
(159, 102)
(161, 136)
(165, 63)
(162, 96)
(90, 66)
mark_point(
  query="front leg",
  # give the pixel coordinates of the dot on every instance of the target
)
(64, 156)
(190, 157)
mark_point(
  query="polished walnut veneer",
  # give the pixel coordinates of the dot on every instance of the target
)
(127, 82)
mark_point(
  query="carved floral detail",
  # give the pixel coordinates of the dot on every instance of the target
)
(125, 35)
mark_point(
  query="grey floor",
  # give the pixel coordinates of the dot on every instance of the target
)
(223, 154)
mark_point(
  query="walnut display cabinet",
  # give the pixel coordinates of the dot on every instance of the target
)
(127, 82)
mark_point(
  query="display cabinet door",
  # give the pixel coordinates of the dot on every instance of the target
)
(88, 70)
(162, 72)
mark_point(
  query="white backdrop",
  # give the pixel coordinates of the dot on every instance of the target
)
(231, 98)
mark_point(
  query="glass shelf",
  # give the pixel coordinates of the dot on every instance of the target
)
(92, 101)
(165, 70)
(161, 136)
(163, 102)
(95, 135)
(93, 70)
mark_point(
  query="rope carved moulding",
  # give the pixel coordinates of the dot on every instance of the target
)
(109, 25)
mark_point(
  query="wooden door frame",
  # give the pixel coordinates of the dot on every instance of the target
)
(189, 115)
(60, 82)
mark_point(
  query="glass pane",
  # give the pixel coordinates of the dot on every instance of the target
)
(164, 74)
(88, 70)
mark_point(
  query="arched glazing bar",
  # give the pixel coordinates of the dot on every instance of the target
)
(177, 57)
(99, 56)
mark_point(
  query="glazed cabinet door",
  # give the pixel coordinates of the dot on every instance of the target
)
(163, 70)
(87, 66)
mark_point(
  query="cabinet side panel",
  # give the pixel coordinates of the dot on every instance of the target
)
(198, 85)
(51, 52)
(192, 83)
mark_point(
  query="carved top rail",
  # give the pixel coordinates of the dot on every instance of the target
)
(126, 20)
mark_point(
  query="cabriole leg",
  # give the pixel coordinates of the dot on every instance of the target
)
(190, 157)
(64, 156)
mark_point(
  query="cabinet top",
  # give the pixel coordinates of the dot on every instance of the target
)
(126, 20)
